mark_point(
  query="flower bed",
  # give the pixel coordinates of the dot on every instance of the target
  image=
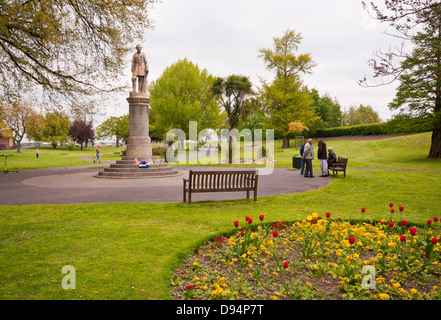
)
(316, 258)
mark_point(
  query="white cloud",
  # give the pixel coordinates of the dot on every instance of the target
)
(224, 36)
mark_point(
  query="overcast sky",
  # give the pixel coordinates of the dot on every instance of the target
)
(224, 36)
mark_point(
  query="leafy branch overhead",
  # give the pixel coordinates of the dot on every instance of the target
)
(71, 48)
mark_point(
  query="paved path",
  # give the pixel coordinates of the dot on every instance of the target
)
(69, 185)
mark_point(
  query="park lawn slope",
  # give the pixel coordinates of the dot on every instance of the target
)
(129, 251)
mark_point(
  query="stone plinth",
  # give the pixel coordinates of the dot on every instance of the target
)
(139, 143)
(139, 147)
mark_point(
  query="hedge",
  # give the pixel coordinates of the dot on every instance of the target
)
(398, 125)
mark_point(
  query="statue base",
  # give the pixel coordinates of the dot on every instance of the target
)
(139, 147)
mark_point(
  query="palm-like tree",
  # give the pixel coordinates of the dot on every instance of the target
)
(232, 93)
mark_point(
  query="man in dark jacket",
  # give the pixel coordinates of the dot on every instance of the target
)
(322, 155)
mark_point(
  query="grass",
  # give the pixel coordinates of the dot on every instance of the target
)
(400, 152)
(129, 251)
(59, 157)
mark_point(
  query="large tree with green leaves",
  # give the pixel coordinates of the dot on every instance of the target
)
(117, 127)
(284, 98)
(327, 108)
(70, 48)
(417, 66)
(180, 95)
(56, 128)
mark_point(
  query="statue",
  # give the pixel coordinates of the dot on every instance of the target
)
(140, 70)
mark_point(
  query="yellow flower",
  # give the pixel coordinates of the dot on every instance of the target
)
(413, 291)
(402, 292)
(383, 296)
(392, 244)
(380, 280)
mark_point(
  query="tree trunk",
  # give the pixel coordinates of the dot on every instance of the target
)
(285, 144)
(435, 148)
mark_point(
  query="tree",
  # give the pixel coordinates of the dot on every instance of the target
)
(232, 93)
(180, 95)
(361, 115)
(117, 127)
(17, 116)
(36, 127)
(67, 47)
(56, 128)
(81, 132)
(418, 70)
(285, 99)
(328, 109)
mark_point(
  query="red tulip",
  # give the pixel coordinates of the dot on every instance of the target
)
(351, 240)
(435, 219)
(391, 204)
(392, 210)
(429, 222)
(401, 208)
(275, 233)
(403, 238)
(412, 231)
(434, 240)
(250, 221)
(236, 223)
(261, 217)
(285, 265)
(391, 224)
(247, 218)
(328, 214)
(404, 223)
(363, 210)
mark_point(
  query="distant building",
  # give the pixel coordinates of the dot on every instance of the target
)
(6, 141)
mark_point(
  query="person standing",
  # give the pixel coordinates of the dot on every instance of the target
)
(322, 155)
(98, 155)
(37, 153)
(308, 155)
(302, 163)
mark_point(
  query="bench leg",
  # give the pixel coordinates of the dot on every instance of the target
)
(248, 194)
(185, 196)
(189, 197)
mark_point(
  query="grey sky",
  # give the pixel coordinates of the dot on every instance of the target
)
(223, 36)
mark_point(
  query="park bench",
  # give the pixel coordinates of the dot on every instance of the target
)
(340, 165)
(220, 181)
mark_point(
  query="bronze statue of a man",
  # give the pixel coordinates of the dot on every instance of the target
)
(140, 70)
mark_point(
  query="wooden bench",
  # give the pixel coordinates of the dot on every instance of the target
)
(340, 165)
(220, 181)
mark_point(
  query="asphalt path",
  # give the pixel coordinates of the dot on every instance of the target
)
(71, 185)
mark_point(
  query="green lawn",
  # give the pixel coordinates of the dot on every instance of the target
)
(129, 251)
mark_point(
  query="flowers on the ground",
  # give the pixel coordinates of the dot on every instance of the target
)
(316, 258)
